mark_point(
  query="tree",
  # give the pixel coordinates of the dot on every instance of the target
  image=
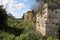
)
(37, 6)
(10, 15)
(3, 15)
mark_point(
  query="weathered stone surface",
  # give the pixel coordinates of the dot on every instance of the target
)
(28, 15)
(47, 21)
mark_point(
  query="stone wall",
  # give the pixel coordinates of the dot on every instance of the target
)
(28, 15)
(53, 21)
(47, 20)
(41, 17)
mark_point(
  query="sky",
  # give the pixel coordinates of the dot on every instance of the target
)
(17, 7)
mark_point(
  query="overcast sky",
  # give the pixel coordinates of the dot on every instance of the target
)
(17, 7)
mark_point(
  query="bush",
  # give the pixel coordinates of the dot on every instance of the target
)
(52, 38)
(24, 36)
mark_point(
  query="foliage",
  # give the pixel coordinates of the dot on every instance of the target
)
(52, 38)
(6, 36)
(3, 15)
(24, 36)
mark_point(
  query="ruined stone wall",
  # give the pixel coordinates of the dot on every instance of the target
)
(47, 21)
(28, 15)
(41, 17)
(53, 21)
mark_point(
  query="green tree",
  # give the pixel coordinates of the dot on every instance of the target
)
(3, 16)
